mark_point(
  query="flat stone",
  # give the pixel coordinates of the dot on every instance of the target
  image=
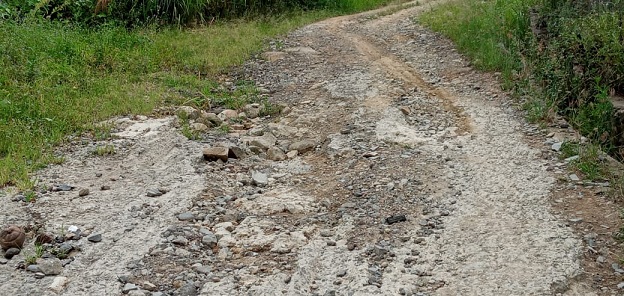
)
(58, 284)
(129, 287)
(105, 187)
(202, 269)
(153, 192)
(95, 238)
(264, 142)
(259, 179)
(62, 187)
(571, 158)
(405, 110)
(186, 216)
(50, 266)
(228, 114)
(39, 275)
(236, 152)
(33, 268)
(574, 177)
(83, 192)
(3, 261)
(302, 146)
(556, 146)
(187, 290)
(216, 153)
(276, 154)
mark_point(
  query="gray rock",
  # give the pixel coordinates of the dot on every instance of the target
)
(276, 154)
(83, 192)
(236, 152)
(105, 187)
(58, 284)
(39, 275)
(153, 192)
(620, 285)
(574, 177)
(556, 146)
(212, 118)
(33, 268)
(259, 179)
(129, 287)
(3, 261)
(216, 153)
(264, 142)
(95, 238)
(186, 216)
(62, 187)
(202, 269)
(158, 294)
(571, 158)
(180, 240)
(11, 252)
(50, 266)
(302, 146)
(188, 112)
(187, 290)
(209, 239)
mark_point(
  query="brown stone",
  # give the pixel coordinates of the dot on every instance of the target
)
(12, 236)
(216, 153)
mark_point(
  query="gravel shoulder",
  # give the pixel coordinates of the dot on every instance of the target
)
(413, 175)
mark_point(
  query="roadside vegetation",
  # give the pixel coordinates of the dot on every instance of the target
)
(558, 57)
(67, 64)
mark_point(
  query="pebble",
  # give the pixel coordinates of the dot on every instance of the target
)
(11, 252)
(95, 238)
(187, 290)
(50, 266)
(209, 239)
(556, 146)
(39, 275)
(83, 192)
(186, 216)
(3, 261)
(153, 192)
(58, 284)
(129, 287)
(33, 268)
(302, 146)
(105, 187)
(259, 179)
(574, 177)
(620, 285)
(216, 153)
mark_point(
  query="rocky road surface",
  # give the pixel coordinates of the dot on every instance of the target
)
(395, 169)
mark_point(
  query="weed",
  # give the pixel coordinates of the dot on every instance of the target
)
(225, 128)
(104, 150)
(190, 133)
(30, 196)
(569, 149)
(32, 258)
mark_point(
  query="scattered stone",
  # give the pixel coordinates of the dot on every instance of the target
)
(98, 175)
(95, 238)
(571, 158)
(351, 247)
(62, 187)
(264, 142)
(236, 153)
(302, 146)
(39, 275)
(199, 127)
(153, 192)
(124, 278)
(202, 269)
(83, 192)
(33, 268)
(210, 240)
(10, 253)
(50, 266)
(228, 114)
(276, 154)
(273, 56)
(216, 153)
(292, 154)
(3, 261)
(601, 259)
(331, 243)
(405, 110)
(342, 273)
(188, 112)
(129, 287)
(187, 290)
(259, 179)
(105, 187)
(212, 119)
(396, 219)
(620, 285)
(186, 216)
(556, 146)
(149, 286)
(575, 220)
(574, 177)
(12, 236)
(180, 240)
(58, 284)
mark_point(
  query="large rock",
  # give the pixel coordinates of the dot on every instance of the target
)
(265, 142)
(216, 153)
(302, 146)
(210, 119)
(50, 266)
(253, 110)
(12, 236)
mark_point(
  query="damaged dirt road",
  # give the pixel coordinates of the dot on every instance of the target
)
(387, 120)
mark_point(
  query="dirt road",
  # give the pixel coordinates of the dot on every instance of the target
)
(396, 123)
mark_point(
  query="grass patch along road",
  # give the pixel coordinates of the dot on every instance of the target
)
(58, 79)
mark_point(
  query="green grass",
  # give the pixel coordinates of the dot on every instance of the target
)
(58, 79)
